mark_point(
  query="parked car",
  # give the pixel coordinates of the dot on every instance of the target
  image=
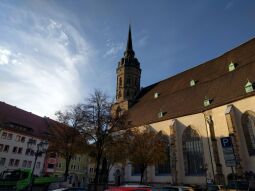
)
(214, 187)
(130, 188)
(70, 189)
(238, 185)
(173, 188)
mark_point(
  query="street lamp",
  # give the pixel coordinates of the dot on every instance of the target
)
(41, 148)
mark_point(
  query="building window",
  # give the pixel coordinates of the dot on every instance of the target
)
(38, 164)
(51, 166)
(164, 168)
(192, 152)
(9, 136)
(156, 95)
(15, 149)
(2, 161)
(192, 82)
(24, 163)
(248, 124)
(29, 164)
(1, 147)
(11, 162)
(207, 101)
(6, 148)
(32, 152)
(120, 82)
(136, 170)
(4, 135)
(119, 94)
(18, 138)
(20, 150)
(128, 81)
(23, 139)
(16, 163)
(248, 87)
(231, 66)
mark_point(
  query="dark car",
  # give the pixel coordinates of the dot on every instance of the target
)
(238, 185)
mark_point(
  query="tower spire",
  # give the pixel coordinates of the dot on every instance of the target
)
(129, 49)
(129, 42)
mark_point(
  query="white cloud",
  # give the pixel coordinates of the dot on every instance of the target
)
(39, 65)
(4, 56)
(113, 49)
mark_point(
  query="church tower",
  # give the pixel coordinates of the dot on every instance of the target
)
(128, 77)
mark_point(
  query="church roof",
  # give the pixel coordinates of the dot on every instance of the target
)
(212, 81)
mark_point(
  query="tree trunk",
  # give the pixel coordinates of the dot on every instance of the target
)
(142, 169)
(99, 155)
(68, 159)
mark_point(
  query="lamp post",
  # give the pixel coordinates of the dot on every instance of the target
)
(40, 149)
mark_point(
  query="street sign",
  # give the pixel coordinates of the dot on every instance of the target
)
(228, 152)
(226, 142)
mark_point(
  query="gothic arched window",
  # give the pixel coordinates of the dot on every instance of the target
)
(164, 168)
(248, 123)
(192, 152)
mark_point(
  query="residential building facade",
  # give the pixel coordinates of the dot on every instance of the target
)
(17, 128)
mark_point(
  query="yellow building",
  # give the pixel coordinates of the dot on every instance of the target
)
(196, 109)
(78, 167)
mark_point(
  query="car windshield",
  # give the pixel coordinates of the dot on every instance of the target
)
(13, 175)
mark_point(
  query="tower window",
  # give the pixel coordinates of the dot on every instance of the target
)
(249, 87)
(231, 66)
(120, 82)
(119, 94)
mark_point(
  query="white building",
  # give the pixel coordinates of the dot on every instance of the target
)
(17, 127)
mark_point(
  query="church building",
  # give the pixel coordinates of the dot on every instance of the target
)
(199, 110)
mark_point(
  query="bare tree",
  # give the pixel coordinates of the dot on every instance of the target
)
(65, 138)
(100, 125)
(146, 147)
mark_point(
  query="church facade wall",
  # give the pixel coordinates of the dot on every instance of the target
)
(200, 124)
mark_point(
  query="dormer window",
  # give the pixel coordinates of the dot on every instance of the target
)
(249, 87)
(160, 114)
(156, 95)
(207, 102)
(231, 66)
(192, 82)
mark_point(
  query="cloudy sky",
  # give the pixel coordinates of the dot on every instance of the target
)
(54, 53)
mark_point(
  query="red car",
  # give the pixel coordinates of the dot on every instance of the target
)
(130, 188)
